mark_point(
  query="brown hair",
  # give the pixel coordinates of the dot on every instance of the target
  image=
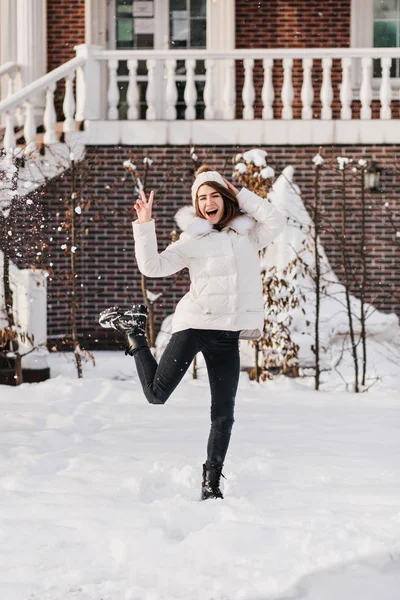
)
(231, 205)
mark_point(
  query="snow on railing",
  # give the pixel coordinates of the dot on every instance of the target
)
(22, 101)
(163, 81)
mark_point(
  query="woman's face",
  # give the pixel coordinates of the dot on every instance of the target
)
(211, 203)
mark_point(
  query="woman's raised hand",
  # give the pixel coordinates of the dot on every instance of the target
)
(144, 207)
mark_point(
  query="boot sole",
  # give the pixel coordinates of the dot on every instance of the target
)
(107, 317)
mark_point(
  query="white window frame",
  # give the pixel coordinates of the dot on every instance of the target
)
(161, 25)
(362, 36)
(220, 24)
(220, 36)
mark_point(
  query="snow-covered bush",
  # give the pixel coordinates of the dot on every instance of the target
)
(275, 350)
(251, 169)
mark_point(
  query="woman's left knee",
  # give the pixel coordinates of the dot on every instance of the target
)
(223, 423)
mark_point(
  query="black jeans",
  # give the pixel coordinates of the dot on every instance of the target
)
(221, 354)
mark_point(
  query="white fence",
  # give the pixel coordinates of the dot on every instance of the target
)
(99, 84)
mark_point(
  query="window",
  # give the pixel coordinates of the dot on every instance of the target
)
(387, 31)
(134, 30)
(188, 29)
(159, 24)
(134, 24)
(187, 23)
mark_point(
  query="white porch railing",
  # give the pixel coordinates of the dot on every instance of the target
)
(9, 71)
(10, 81)
(21, 101)
(354, 60)
(98, 102)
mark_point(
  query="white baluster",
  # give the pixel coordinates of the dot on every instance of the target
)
(307, 91)
(385, 93)
(50, 117)
(346, 95)
(171, 91)
(151, 92)
(326, 94)
(248, 93)
(208, 95)
(11, 78)
(9, 136)
(132, 94)
(287, 89)
(29, 129)
(229, 90)
(190, 94)
(366, 88)
(267, 93)
(113, 91)
(11, 83)
(69, 104)
(19, 113)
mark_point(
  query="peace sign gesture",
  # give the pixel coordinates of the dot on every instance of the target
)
(144, 207)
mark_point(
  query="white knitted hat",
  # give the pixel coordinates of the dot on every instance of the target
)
(204, 178)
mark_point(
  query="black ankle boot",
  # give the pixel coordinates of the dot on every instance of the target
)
(131, 324)
(133, 342)
(211, 482)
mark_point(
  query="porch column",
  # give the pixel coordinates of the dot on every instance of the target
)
(96, 22)
(96, 35)
(8, 31)
(32, 46)
(8, 39)
(220, 36)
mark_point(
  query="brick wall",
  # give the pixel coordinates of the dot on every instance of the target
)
(297, 24)
(108, 273)
(65, 29)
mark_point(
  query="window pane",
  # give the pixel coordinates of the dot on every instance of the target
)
(144, 40)
(177, 5)
(124, 31)
(179, 33)
(180, 67)
(123, 104)
(200, 102)
(142, 68)
(142, 94)
(122, 68)
(200, 67)
(180, 104)
(124, 7)
(377, 69)
(198, 8)
(385, 34)
(198, 33)
(386, 9)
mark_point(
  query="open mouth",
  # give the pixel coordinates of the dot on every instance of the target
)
(212, 213)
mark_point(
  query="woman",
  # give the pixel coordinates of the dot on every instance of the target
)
(222, 235)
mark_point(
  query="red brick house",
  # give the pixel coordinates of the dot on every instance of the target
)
(154, 77)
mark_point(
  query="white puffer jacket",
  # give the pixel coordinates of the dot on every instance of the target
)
(226, 290)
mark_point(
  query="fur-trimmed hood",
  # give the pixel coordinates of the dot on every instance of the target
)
(194, 226)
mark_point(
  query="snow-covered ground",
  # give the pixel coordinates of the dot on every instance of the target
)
(99, 492)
